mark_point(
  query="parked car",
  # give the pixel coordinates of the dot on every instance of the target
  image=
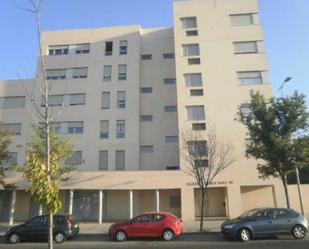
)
(155, 224)
(266, 222)
(35, 229)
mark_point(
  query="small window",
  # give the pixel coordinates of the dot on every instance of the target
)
(250, 77)
(14, 128)
(77, 99)
(171, 139)
(105, 100)
(146, 56)
(201, 163)
(121, 99)
(56, 74)
(107, 73)
(194, 61)
(123, 47)
(120, 128)
(11, 159)
(75, 127)
(120, 160)
(174, 201)
(193, 79)
(56, 127)
(169, 56)
(104, 129)
(122, 72)
(196, 92)
(196, 112)
(172, 167)
(103, 160)
(247, 47)
(146, 148)
(170, 108)
(191, 50)
(146, 118)
(244, 19)
(191, 33)
(169, 81)
(53, 100)
(75, 159)
(245, 110)
(80, 73)
(58, 50)
(82, 48)
(12, 102)
(146, 89)
(108, 48)
(198, 148)
(188, 22)
(199, 127)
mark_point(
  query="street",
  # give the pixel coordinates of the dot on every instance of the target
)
(192, 240)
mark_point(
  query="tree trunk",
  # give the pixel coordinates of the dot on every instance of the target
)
(203, 192)
(285, 185)
(50, 230)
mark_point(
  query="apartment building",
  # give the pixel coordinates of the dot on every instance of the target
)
(126, 93)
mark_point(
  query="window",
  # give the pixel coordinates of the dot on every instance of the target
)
(157, 217)
(56, 127)
(75, 127)
(107, 73)
(171, 139)
(146, 118)
(247, 47)
(123, 47)
(120, 128)
(121, 99)
(174, 201)
(194, 61)
(201, 163)
(58, 50)
(196, 92)
(77, 99)
(250, 77)
(104, 129)
(105, 100)
(170, 108)
(191, 50)
(244, 19)
(199, 127)
(11, 160)
(146, 89)
(146, 148)
(75, 159)
(169, 81)
(198, 148)
(108, 48)
(120, 160)
(193, 79)
(53, 100)
(103, 160)
(15, 128)
(191, 33)
(142, 219)
(245, 110)
(172, 167)
(56, 74)
(146, 56)
(195, 112)
(122, 72)
(188, 22)
(82, 48)
(168, 56)
(80, 73)
(12, 102)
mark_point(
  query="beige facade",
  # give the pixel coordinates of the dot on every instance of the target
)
(137, 90)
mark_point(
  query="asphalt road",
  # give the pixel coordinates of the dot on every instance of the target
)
(188, 241)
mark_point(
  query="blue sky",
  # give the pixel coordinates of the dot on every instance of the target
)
(285, 24)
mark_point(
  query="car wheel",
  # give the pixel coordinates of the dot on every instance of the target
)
(120, 236)
(168, 235)
(299, 232)
(244, 234)
(14, 238)
(60, 237)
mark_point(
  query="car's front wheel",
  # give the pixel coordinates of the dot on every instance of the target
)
(299, 232)
(244, 234)
(120, 236)
(60, 237)
(14, 238)
(168, 235)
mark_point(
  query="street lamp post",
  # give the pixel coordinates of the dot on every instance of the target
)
(287, 79)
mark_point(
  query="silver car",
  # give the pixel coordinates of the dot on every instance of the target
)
(266, 222)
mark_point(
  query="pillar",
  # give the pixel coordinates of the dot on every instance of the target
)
(40, 209)
(234, 201)
(71, 202)
(100, 206)
(131, 203)
(157, 200)
(12, 208)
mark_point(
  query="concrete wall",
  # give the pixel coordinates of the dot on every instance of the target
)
(294, 198)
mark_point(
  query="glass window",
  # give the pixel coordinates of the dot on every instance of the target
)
(244, 19)
(56, 127)
(105, 100)
(198, 126)
(15, 128)
(146, 56)
(193, 79)
(107, 73)
(168, 56)
(146, 89)
(191, 50)
(172, 167)
(191, 33)
(76, 127)
(108, 48)
(58, 50)
(142, 219)
(103, 160)
(121, 99)
(12, 102)
(123, 47)
(169, 81)
(11, 160)
(250, 77)
(146, 118)
(120, 160)
(75, 159)
(80, 73)
(54, 100)
(196, 92)
(146, 148)
(157, 217)
(120, 128)
(170, 108)
(195, 112)
(245, 110)
(174, 201)
(104, 129)
(194, 61)
(56, 74)
(82, 48)
(171, 139)
(245, 47)
(122, 72)
(188, 22)
(77, 99)
(198, 148)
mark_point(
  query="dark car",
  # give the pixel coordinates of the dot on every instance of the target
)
(263, 222)
(155, 224)
(36, 228)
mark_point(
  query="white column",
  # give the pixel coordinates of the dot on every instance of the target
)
(71, 202)
(40, 210)
(100, 206)
(157, 200)
(12, 208)
(131, 203)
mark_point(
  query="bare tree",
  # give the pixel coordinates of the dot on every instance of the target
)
(205, 156)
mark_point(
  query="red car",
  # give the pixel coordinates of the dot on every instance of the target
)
(155, 224)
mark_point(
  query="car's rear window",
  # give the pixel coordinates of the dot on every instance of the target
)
(158, 217)
(174, 216)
